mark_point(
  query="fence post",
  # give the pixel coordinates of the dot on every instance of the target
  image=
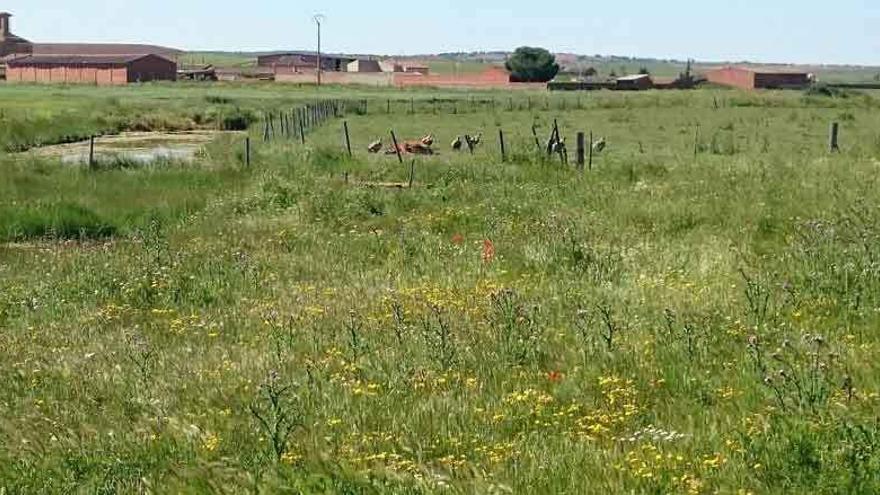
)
(396, 147)
(302, 130)
(554, 137)
(91, 151)
(412, 173)
(591, 150)
(537, 141)
(347, 138)
(247, 152)
(503, 149)
(581, 151)
(832, 137)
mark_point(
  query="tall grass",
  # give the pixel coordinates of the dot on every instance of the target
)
(666, 323)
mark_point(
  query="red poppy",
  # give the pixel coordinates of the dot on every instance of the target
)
(488, 251)
(458, 239)
(555, 376)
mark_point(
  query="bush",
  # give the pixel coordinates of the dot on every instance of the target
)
(238, 120)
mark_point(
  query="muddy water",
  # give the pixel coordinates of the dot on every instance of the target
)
(139, 147)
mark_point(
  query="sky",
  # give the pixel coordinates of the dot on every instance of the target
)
(777, 31)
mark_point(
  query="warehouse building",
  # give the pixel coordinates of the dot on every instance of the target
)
(102, 70)
(749, 78)
(12, 45)
(364, 66)
(303, 62)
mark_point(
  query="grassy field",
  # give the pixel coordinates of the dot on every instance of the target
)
(697, 314)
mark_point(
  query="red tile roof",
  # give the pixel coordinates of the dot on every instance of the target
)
(90, 49)
(76, 60)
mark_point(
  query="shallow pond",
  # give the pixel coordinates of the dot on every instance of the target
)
(137, 147)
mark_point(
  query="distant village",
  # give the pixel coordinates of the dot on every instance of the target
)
(23, 61)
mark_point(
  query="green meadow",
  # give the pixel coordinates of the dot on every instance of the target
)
(695, 314)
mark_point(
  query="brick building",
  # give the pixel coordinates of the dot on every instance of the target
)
(13, 47)
(102, 70)
(749, 78)
(10, 44)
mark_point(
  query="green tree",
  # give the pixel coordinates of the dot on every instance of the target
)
(528, 64)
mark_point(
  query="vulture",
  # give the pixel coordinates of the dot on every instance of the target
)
(375, 146)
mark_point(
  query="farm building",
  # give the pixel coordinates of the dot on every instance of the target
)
(635, 82)
(303, 62)
(11, 44)
(416, 69)
(96, 69)
(749, 78)
(406, 68)
(103, 49)
(364, 66)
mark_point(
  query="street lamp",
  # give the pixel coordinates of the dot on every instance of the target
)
(319, 18)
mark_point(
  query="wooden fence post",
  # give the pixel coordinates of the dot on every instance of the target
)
(347, 137)
(537, 141)
(302, 130)
(396, 147)
(554, 138)
(247, 152)
(581, 151)
(591, 151)
(834, 132)
(91, 151)
(412, 173)
(503, 149)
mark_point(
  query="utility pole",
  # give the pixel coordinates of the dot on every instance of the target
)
(319, 18)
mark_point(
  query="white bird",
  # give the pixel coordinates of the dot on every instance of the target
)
(375, 146)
